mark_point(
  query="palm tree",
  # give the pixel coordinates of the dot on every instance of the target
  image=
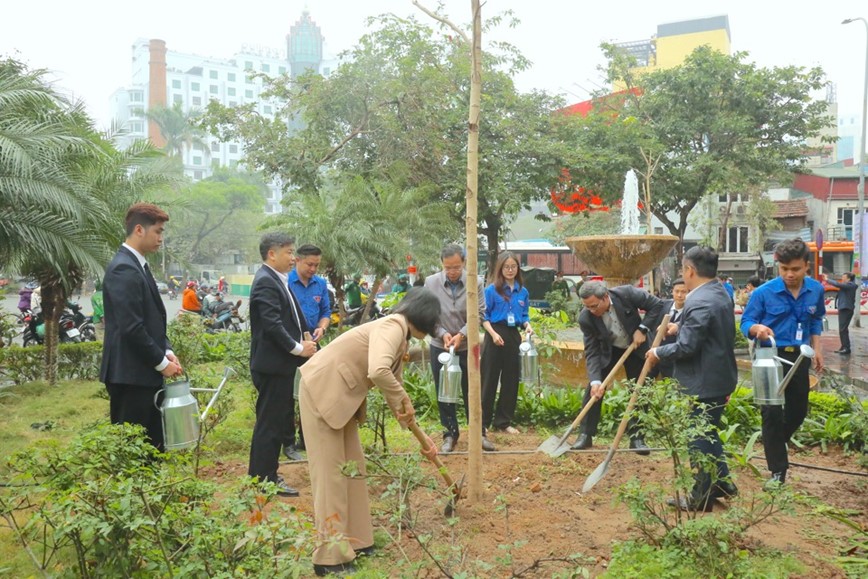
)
(178, 128)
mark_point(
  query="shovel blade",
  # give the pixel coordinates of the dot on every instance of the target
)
(555, 446)
(595, 476)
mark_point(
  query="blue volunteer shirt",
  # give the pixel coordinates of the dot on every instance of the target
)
(774, 306)
(314, 298)
(497, 308)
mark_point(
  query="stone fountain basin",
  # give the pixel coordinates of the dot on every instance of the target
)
(626, 257)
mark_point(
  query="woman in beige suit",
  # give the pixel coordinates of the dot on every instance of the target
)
(334, 387)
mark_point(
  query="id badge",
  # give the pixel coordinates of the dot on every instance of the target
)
(799, 333)
(510, 319)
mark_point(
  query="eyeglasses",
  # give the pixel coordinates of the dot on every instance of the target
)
(510, 267)
(596, 306)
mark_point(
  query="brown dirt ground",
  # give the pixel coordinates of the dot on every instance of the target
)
(547, 509)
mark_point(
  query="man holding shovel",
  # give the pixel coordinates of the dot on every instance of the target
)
(610, 322)
(705, 367)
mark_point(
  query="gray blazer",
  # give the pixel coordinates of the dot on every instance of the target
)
(704, 353)
(626, 303)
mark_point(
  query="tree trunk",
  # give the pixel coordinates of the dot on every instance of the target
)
(53, 303)
(371, 299)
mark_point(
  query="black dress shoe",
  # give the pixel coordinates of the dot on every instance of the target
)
(448, 445)
(582, 442)
(776, 481)
(843, 352)
(339, 569)
(639, 446)
(283, 489)
(686, 504)
(487, 445)
(724, 489)
(291, 453)
(365, 551)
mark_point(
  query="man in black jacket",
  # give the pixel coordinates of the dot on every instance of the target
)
(846, 306)
(705, 367)
(136, 352)
(277, 347)
(610, 322)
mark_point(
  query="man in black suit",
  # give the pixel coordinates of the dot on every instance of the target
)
(136, 352)
(705, 367)
(610, 322)
(674, 308)
(277, 347)
(846, 301)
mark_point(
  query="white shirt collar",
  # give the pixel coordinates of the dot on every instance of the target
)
(139, 256)
(284, 277)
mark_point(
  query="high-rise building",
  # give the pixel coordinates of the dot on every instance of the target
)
(163, 77)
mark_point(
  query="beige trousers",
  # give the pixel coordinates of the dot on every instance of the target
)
(342, 513)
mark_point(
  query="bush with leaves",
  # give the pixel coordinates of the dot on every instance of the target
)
(78, 361)
(109, 505)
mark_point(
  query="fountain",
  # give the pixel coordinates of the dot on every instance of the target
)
(623, 259)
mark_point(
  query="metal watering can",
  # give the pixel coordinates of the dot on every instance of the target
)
(529, 361)
(180, 411)
(449, 389)
(767, 373)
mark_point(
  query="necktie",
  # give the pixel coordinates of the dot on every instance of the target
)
(150, 277)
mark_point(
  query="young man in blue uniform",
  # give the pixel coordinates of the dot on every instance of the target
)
(790, 309)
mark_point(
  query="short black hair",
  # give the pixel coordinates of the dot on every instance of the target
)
(851, 276)
(678, 281)
(755, 281)
(274, 239)
(791, 250)
(452, 249)
(703, 259)
(421, 308)
(307, 250)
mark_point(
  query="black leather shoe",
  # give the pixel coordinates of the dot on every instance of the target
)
(582, 442)
(340, 569)
(843, 352)
(639, 446)
(724, 489)
(486, 445)
(365, 551)
(776, 481)
(448, 445)
(283, 489)
(292, 453)
(686, 504)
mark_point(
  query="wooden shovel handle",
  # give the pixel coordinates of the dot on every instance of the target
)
(661, 332)
(423, 440)
(606, 383)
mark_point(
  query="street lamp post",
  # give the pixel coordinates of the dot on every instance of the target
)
(860, 204)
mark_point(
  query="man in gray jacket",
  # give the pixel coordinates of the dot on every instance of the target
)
(450, 287)
(705, 367)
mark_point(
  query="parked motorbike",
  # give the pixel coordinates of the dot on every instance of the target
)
(83, 323)
(228, 319)
(34, 330)
(353, 316)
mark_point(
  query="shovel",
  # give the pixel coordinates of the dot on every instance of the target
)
(600, 471)
(455, 488)
(555, 446)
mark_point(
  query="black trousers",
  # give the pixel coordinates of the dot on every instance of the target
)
(133, 404)
(844, 317)
(781, 422)
(448, 410)
(632, 367)
(273, 404)
(500, 364)
(708, 444)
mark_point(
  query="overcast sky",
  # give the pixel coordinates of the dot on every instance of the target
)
(86, 44)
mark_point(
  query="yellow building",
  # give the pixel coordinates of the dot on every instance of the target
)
(674, 41)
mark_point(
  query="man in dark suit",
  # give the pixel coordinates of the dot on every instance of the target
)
(846, 301)
(674, 308)
(610, 322)
(277, 347)
(705, 367)
(136, 352)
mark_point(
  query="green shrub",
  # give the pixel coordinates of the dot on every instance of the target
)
(80, 361)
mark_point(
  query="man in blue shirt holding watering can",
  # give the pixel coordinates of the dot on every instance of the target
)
(790, 309)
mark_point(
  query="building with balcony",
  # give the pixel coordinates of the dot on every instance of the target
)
(164, 77)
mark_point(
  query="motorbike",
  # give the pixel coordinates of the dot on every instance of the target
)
(34, 329)
(353, 316)
(173, 295)
(83, 323)
(228, 319)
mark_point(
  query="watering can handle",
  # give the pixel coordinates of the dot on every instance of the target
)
(771, 339)
(157, 395)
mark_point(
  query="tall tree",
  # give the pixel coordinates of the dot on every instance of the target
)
(401, 97)
(179, 128)
(715, 124)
